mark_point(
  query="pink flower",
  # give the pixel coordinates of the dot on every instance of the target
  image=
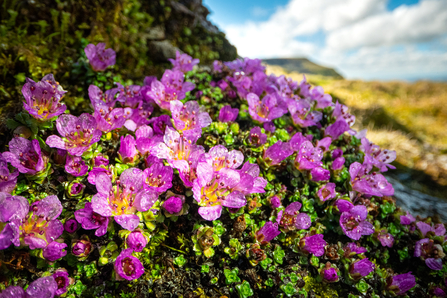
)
(99, 57)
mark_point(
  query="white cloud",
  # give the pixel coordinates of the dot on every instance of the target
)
(405, 24)
(361, 35)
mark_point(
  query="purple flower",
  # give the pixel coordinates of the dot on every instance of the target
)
(8, 180)
(54, 251)
(173, 205)
(354, 224)
(291, 219)
(219, 158)
(320, 174)
(25, 155)
(42, 99)
(339, 160)
(256, 137)
(158, 177)
(75, 189)
(75, 166)
(275, 202)
(100, 99)
(177, 149)
(44, 287)
(127, 266)
(108, 118)
(212, 190)
(369, 184)
(351, 249)
(36, 226)
(128, 152)
(336, 129)
(361, 268)
(160, 123)
(401, 283)
(62, 281)
(330, 274)
(327, 192)
(268, 232)
(439, 292)
(250, 181)
(299, 109)
(380, 158)
(407, 219)
(183, 62)
(217, 66)
(71, 225)
(276, 153)
(340, 112)
(268, 109)
(324, 144)
(269, 126)
(308, 157)
(95, 171)
(136, 241)
(439, 229)
(386, 239)
(423, 227)
(222, 84)
(323, 100)
(172, 87)
(78, 133)
(91, 220)
(13, 292)
(313, 244)
(189, 117)
(99, 57)
(81, 248)
(100, 160)
(124, 199)
(432, 253)
(228, 114)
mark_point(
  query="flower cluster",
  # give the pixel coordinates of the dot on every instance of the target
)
(177, 169)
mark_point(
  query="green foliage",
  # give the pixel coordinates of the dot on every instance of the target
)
(244, 290)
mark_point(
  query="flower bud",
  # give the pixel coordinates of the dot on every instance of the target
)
(136, 241)
(81, 248)
(71, 225)
(74, 189)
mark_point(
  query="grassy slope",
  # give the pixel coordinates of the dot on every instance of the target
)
(410, 118)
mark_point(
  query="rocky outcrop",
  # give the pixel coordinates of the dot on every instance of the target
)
(40, 37)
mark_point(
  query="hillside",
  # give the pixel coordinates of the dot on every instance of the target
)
(303, 65)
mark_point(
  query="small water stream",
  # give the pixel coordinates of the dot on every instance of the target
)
(418, 203)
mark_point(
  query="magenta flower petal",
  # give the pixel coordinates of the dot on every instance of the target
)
(361, 268)
(303, 221)
(434, 264)
(330, 275)
(268, 232)
(62, 281)
(127, 266)
(210, 213)
(13, 292)
(128, 221)
(228, 114)
(136, 241)
(42, 288)
(54, 251)
(401, 283)
(173, 205)
(99, 57)
(314, 244)
(327, 192)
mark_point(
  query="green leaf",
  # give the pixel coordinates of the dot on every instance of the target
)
(278, 255)
(244, 289)
(231, 276)
(12, 124)
(180, 261)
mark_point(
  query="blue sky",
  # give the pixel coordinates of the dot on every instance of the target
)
(366, 39)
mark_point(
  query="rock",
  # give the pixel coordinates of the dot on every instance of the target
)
(162, 50)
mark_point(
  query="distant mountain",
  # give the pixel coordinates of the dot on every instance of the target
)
(302, 65)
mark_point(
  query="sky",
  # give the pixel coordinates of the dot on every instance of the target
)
(361, 39)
